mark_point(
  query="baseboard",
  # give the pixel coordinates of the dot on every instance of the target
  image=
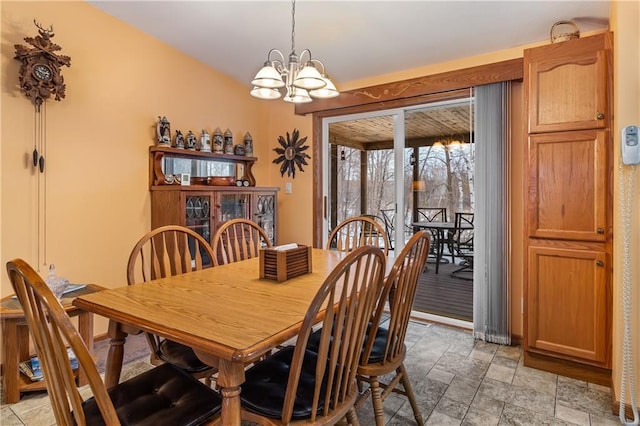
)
(575, 370)
(100, 337)
(615, 405)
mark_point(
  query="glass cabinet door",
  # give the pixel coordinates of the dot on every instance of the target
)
(198, 218)
(264, 214)
(233, 206)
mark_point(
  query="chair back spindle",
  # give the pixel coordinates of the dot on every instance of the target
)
(357, 232)
(167, 251)
(239, 239)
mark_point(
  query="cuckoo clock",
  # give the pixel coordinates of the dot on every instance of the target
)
(40, 76)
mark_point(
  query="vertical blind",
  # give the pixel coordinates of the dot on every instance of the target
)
(491, 314)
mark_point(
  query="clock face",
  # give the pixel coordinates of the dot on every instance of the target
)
(42, 72)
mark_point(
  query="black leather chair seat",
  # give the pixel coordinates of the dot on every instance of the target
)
(264, 389)
(377, 352)
(163, 395)
(181, 356)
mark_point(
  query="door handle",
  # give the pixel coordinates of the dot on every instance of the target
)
(599, 263)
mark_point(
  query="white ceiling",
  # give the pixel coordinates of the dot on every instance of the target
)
(355, 39)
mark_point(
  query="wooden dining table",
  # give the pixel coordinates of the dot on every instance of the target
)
(227, 314)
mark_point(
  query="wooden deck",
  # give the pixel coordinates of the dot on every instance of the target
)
(444, 295)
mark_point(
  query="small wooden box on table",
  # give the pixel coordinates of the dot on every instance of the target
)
(15, 342)
(281, 265)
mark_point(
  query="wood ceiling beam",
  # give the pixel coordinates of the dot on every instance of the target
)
(509, 70)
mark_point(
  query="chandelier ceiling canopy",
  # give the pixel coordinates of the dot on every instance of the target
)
(301, 79)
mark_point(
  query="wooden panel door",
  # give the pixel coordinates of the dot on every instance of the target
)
(568, 185)
(566, 85)
(567, 302)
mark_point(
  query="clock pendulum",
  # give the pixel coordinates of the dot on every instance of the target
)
(40, 78)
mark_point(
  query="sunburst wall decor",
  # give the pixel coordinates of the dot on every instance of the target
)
(291, 153)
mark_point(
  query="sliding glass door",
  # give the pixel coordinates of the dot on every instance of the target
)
(399, 166)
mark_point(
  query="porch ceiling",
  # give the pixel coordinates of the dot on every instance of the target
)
(423, 127)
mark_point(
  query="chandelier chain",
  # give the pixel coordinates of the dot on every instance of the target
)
(293, 26)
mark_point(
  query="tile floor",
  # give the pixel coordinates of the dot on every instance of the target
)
(457, 382)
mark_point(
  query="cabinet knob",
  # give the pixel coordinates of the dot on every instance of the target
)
(599, 263)
(600, 231)
(600, 116)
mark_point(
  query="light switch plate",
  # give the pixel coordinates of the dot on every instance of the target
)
(288, 187)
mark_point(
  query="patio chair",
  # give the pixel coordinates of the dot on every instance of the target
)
(432, 214)
(238, 239)
(163, 252)
(162, 395)
(357, 232)
(437, 214)
(297, 385)
(389, 217)
(463, 245)
(384, 350)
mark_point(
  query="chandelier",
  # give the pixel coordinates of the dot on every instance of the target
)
(302, 79)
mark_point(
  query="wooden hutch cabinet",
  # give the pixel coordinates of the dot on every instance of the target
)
(205, 206)
(568, 271)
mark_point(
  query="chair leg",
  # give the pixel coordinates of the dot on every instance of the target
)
(352, 417)
(406, 383)
(376, 398)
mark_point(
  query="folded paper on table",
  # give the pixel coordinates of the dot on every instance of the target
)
(286, 246)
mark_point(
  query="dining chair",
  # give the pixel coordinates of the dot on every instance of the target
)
(162, 395)
(356, 232)
(164, 252)
(463, 245)
(384, 349)
(297, 385)
(238, 239)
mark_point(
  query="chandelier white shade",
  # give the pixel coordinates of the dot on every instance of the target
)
(301, 79)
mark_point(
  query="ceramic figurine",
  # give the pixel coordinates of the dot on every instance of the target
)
(238, 150)
(218, 141)
(179, 139)
(191, 141)
(228, 142)
(248, 145)
(205, 141)
(163, 130)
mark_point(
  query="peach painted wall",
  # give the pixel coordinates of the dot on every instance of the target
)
(295, 210)
(97, 195)
(625, 24)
